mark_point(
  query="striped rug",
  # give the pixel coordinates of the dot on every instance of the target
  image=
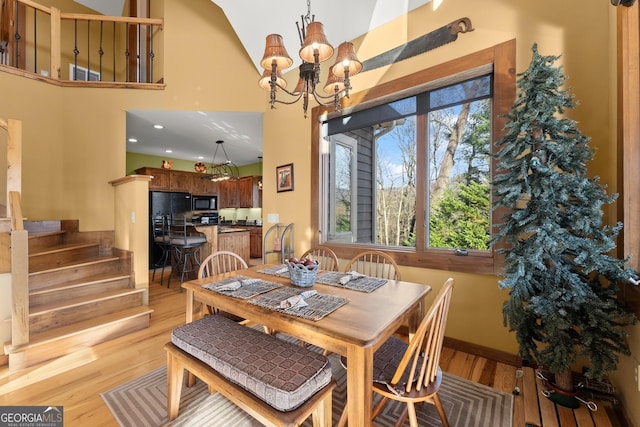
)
(142, 402)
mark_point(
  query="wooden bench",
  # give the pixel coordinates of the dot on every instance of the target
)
(230, 335)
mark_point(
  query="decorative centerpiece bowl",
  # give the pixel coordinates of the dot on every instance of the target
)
(302, 273)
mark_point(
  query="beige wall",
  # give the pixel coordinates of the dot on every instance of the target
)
(75, 138)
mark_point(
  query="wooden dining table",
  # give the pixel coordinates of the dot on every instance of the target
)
(355, 330)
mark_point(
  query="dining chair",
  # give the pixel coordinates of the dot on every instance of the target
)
(374, 264)
(411, 372)
(160, 235)
(218, 263)
(327, 259)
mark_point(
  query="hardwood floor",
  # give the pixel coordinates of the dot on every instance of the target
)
(76, 381)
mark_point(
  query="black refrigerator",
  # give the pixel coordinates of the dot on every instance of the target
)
(165, 204)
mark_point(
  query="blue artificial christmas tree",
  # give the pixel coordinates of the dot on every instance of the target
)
(558, 266)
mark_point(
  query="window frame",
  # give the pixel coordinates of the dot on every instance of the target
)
(500, 60)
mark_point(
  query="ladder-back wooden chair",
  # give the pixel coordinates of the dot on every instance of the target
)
(411, 373)
(374, 264)
(327, 259)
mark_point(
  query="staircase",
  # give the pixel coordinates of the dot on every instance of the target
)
(81, 293)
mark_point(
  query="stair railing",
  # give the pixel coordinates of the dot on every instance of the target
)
(19, 250)
(98, 49)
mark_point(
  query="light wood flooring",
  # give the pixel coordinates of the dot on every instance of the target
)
(76, 381)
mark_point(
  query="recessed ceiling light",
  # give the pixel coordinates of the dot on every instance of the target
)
(168, 151)
(200, 157)
(132, 140)
(158, 126)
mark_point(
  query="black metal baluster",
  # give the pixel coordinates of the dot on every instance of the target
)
(17, 36)
(151, 54)
(138, 64)
(126, 53)
(100, 51)
(75, 50)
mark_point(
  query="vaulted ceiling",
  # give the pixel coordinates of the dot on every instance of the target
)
(252, 21)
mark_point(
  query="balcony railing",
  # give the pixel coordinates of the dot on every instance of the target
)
(72, 47)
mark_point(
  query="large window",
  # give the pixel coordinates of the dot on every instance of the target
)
(410, 172)
(373, 167)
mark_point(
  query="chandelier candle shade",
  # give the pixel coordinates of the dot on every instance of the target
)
(315, 48)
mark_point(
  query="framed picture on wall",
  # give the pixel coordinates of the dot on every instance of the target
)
(284, 177)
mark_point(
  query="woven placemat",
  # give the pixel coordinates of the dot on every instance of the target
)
(276, 270)
(246, 290)
(319, 306)
(362, 284)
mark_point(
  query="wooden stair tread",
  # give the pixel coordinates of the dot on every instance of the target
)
(85, 281)
(40, 234)
(77, 263)
(63, 247)
(96, 323)
(73, 302)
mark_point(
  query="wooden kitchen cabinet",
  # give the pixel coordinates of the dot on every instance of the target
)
(228, 193)
(238, 242)
(160, 179)
(201, 186)
(250, 196)
(255, 242)
(180, 181)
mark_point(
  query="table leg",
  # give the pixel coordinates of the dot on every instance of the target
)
(190, 301)
(359, 383)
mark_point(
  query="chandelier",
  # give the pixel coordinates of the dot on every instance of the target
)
(314, 49)
(225, 170)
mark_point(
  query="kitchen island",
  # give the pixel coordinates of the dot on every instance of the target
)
(221, 238)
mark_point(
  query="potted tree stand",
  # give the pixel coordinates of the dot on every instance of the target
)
(558, 266)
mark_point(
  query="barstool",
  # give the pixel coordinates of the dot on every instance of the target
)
(185, 249)
(159, 228)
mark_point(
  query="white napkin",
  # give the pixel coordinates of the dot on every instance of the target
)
(231, 286)
(249, 281)
(297, 301)
(351, 276)
(282, 270)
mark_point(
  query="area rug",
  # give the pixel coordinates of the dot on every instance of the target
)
(142, 402)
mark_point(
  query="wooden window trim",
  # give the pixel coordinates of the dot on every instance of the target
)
(628, 141)
(502, 59)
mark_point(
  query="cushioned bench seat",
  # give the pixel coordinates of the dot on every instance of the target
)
(280, 373)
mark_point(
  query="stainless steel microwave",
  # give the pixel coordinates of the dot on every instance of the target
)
(204, 203)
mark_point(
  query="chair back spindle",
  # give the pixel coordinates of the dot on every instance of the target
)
(374, 264)
(327, 259)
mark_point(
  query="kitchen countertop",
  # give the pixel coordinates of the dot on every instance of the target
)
(223, 229)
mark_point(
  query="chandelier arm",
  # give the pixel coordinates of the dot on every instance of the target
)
(282, 88)
(320, 100)
(296, 96)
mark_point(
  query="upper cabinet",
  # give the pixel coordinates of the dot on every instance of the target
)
(160, 179)
(179, 181)
(241, 193)
(250, 194)
(228, 194)
(202, 186)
